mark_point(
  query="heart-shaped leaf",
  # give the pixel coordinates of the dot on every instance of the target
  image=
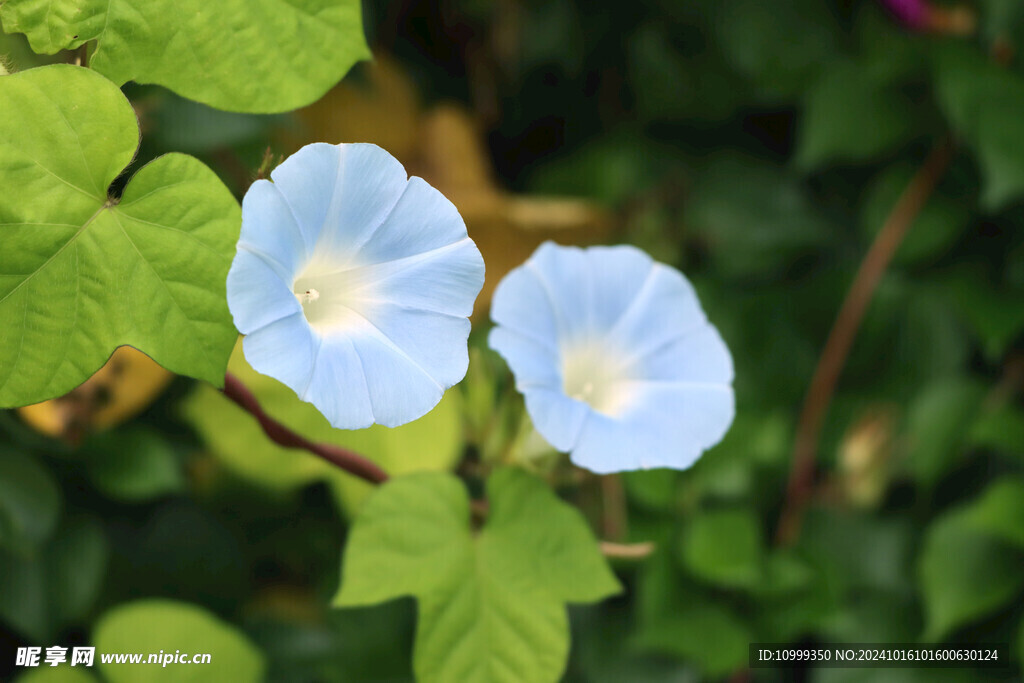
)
(82, 273)
(491, 605)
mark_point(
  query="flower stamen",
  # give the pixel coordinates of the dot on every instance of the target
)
(308, 297)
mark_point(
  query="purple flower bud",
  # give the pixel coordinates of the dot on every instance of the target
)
(913, 13)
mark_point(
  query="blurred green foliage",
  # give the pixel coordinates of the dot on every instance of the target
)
(758, 146)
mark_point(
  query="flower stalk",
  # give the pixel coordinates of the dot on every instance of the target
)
(800, 486)
(349, 461)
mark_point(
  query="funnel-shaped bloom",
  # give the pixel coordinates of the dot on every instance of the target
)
(617, 362)
(353, 284)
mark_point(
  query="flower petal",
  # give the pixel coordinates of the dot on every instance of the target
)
(422, 220)
(699, 357)
(443, 280)
(521, 303)
(400, 391)
(306, 181)
(270, 231)
(558, 418)
(284, 350)
(665, 308)
(256, 294)
(616, 275)
(369, 183)
(533, 364)
(669, 425)
(564, 275)
(338, 386)
(432, 342)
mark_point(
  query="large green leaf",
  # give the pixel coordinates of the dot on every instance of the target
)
(433, 442)
(158, 625)
(82, 273)
(242, 55)
(491, 605)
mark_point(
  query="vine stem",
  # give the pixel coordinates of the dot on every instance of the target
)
(799, 488)
(353, 463)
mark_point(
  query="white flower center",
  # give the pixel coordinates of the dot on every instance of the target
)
(333, 294)
(598, 376)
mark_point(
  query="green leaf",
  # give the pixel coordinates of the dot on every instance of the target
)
(76, 565)
(133, 464)
(873, 616)
(182, 125)
(652, 489)
(242, 55)
(758, 39)
(29, 502)
(851, 116)
(674, 86)
(725, 547)
(834, 540)
(971, 558)
(982, 102)
(1001, 429)
(999, 512)
(939, 223)
(754, 217)
(491, 605)
(58, 586)
(784, 573)
(938, 424)
(728, 471)
(155, 625)
(994, 314)
(80, 273)
(674, 618)
(433, 442)
(707, 634)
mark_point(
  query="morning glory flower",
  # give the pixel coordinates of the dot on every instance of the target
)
(614, 356)
(353, 284)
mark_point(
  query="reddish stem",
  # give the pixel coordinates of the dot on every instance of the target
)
(844, 331)
(351, 462)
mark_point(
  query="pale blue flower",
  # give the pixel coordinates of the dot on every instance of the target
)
(617, 362)
(353, 284)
